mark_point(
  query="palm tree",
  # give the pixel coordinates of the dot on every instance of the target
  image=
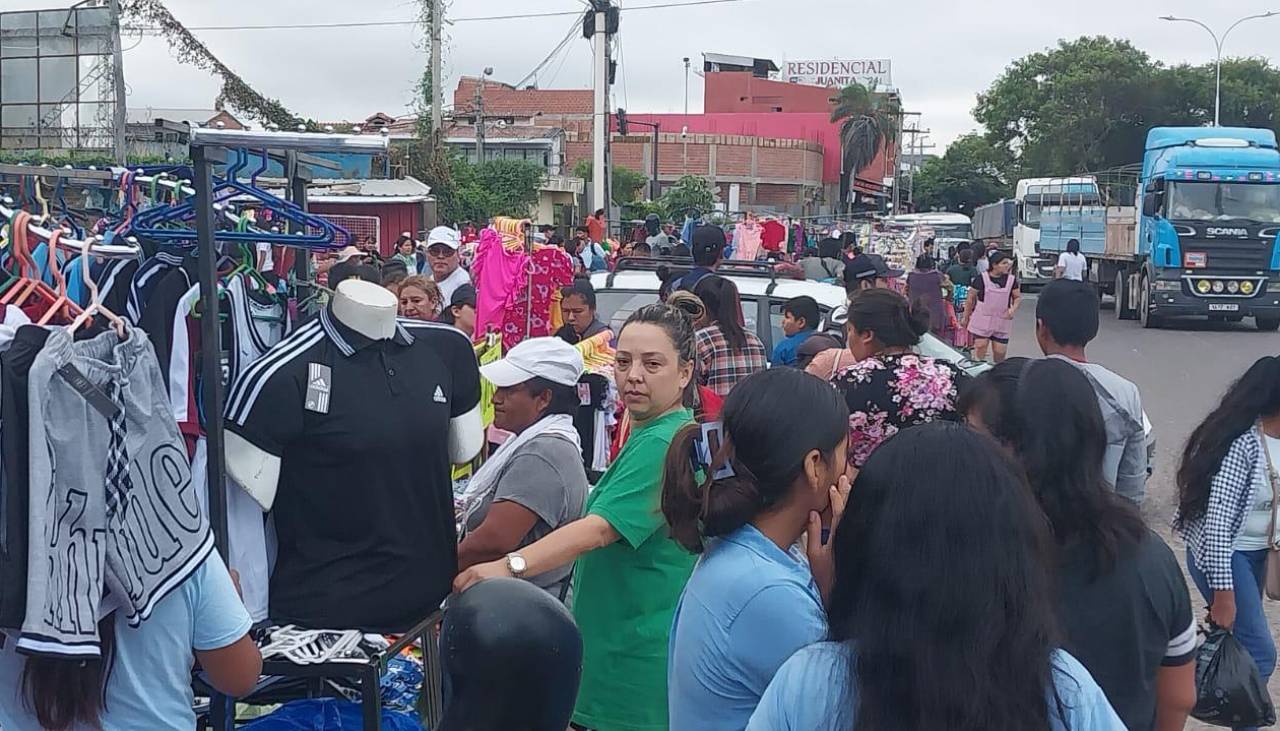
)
(868, 120)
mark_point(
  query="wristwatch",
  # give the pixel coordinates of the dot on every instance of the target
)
(516, 565)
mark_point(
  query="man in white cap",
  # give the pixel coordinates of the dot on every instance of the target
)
(445, 263)
(536, 481)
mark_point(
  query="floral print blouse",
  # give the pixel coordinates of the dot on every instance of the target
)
(888, 393)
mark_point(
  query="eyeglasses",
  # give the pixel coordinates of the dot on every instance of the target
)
(440, 252)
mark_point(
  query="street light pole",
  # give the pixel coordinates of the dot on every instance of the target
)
(1217, 44)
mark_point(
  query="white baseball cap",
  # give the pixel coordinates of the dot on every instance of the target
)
(549, 358)
(443, 235)
(348, 253)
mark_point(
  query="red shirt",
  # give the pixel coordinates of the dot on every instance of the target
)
(773, 235)
(595, 229)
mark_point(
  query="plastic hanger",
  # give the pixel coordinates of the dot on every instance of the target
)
(95, 306)
(27, 284)
(62, 306)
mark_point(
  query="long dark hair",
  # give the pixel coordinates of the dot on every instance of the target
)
(62, 692)
(888, 314)
(962, 638)
(772, 420)
(720, 295)
(1048, 412)
(1256, 394)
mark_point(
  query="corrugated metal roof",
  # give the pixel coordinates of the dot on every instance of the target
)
(370, 187)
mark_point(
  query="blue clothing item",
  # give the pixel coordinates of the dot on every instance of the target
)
(75, 280)
(40, 255)
(1248, 575)
(686, 232)
(811, 693)
(690, 280)
(150, 682)
(748, 607)
(784, 353)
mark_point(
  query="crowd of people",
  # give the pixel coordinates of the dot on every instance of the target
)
(843, 533)
(1006, 582)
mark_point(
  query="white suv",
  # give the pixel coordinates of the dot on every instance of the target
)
(635, 284)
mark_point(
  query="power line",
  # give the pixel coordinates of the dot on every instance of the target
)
(564, 42)
(474, 19)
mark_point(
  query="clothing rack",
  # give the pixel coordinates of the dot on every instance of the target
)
(111, 251)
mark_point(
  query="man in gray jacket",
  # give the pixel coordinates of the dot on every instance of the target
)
(1066, 321)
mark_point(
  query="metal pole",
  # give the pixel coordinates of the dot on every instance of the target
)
(210, 334)
(437, 108)
(121, 120)
(1217, 89)
(479, 104)
(684, 163)
(600, 118)
(302, 257)
(653, 184)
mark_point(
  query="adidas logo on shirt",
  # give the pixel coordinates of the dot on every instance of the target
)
(439, 397)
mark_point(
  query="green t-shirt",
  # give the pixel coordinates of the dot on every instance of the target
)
(625, 595)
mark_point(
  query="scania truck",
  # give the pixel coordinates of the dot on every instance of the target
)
(1203, 236)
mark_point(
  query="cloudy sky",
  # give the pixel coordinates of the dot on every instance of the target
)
(943, 51)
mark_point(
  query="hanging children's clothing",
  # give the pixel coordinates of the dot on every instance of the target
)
(537, 308)
(746, 240)
(772, 235)
(496, 272)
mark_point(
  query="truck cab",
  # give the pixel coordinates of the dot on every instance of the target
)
(1208, 226)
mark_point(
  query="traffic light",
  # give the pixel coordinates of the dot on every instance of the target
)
(622, 121)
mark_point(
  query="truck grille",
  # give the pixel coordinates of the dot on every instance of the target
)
(1232, 254)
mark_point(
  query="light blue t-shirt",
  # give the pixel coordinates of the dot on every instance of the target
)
(150, 682)
(747, 607)
(811, 693)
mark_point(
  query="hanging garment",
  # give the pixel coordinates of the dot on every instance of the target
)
(686, 232)
(746, 240)
(147, 276)
(101, 414)
(532, 307)
(773, 235)
(15, 367)
(496, 272)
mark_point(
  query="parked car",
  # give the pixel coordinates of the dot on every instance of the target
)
(634, 283)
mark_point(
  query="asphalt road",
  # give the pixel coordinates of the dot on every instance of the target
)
(1181, 371)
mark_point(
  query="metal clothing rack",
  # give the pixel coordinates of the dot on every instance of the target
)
(289, 147)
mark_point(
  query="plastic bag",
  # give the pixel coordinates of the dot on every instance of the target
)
(1229, 690)
(327, 714)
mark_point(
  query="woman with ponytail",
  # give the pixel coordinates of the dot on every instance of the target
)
(1226, 486)
(890, 388)
(751, 603)
(628, 573)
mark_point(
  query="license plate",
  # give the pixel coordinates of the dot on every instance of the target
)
(1220, 307)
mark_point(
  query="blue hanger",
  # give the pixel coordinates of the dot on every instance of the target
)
(151, 222)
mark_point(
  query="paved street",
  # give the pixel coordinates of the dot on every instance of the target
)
(1181, 372)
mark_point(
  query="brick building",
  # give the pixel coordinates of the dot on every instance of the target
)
(764, 144)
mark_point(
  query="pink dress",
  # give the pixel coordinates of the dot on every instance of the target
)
(496, 273)
(990, 318)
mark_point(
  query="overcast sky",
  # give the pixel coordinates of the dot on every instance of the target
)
(943, 51)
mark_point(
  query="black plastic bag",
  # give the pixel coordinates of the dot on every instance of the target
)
(1229, 690)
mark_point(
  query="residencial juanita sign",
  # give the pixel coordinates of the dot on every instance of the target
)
(840, 72)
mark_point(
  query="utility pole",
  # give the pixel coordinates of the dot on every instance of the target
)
(897, 163)
(917, 142)
(600, 127)
(684, 136)
(117, 77)
(437, 107)
(478, 102)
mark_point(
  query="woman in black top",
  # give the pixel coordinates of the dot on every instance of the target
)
(1122, 602)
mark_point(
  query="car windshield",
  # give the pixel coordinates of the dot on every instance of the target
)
(1224, 202)
(954, 231)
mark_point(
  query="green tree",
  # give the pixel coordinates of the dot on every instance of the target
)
(492, 188)
(690, 191)
(626, 185)
(973, 172)
(1084, 105)
(868, 120)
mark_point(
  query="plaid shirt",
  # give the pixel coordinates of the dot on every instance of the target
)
(720, 368)
(1231, 495)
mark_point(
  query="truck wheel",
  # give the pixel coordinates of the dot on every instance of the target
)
(1149, 320)
(1124, 308)
(1267, 324)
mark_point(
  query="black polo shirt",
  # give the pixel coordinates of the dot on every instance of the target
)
(364, 509)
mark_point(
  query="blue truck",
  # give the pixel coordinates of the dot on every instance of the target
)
(1203, 235)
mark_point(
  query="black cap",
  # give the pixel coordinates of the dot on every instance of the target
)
(464, 295)
(707, 239)
(866, 266)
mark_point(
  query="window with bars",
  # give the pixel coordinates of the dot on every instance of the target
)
(56, 83)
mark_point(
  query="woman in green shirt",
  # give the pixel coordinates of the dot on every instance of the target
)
(629, 573)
